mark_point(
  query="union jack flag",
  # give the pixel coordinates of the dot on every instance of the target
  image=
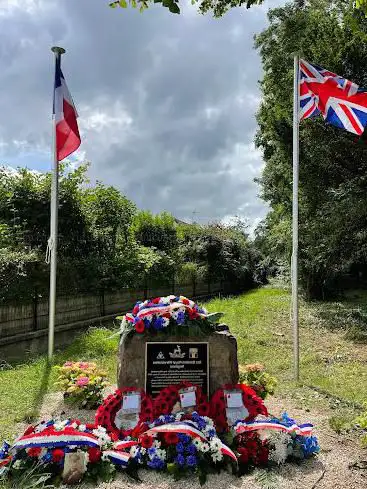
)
(341, 102)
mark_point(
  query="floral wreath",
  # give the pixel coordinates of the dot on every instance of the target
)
(169, 396)
(252, 402)
(156, 314)
(106, 413)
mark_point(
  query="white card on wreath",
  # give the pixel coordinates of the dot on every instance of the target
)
(126, 420)
(236, 414)
(188, 398)
(131, 403)
(234, 399)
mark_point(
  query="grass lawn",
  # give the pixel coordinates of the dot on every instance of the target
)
(333, 351)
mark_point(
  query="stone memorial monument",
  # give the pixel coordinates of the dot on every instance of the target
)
(153, 361)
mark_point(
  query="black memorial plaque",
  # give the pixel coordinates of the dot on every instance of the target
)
(171, 363)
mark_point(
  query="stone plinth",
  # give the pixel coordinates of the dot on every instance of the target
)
(223, 365)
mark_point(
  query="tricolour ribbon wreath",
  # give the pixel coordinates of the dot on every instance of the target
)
(70, 437)
(303, 429)
(178, 427)
(117, 457)
(187, 429)
(53, 438)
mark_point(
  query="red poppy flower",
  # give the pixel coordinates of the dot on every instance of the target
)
(244, 455)
(140, 326)
(114, 436)
(146, 441)
(203, 409)
(192, 314)
(135, 310)
(156, 300)
(34, 452)
(171, 438)
(90, 426)
(28, 431)
(164, 407)
(186, 302)
(57, 455)
(94, 455)
(221, 420)
(263, 456)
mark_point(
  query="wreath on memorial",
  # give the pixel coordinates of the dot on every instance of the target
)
(183, 444)
(106, 413)
(251, 401)
(169, 313)
(169, 397)
(179, 443)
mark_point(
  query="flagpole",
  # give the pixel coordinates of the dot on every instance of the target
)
(52, 245)
(294, 263)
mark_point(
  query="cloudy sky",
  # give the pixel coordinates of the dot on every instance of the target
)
(166, 102)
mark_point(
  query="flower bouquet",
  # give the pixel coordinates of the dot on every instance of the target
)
(168, 314)
(183, 444)
(82, 383)
(277, 440)
(254, 375)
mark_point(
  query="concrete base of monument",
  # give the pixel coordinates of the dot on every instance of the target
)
(173, 363)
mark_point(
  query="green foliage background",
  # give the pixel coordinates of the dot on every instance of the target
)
(333, 162)
(105, 242)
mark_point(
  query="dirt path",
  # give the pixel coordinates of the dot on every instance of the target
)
(330, 470)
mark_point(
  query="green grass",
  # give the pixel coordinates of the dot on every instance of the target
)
(331, 359)
(22, 388)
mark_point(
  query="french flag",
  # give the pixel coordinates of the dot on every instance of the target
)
(65, 114)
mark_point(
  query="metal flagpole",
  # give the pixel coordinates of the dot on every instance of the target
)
(52, 242)
(294, 264)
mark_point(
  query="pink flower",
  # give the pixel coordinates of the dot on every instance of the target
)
(83, 365)
(82, 381)
(68, 364)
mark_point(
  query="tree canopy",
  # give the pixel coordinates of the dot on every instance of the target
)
(216, 7)
(105, 243)
(333, 162)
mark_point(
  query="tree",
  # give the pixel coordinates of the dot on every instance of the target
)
(223, 252)
(159, 231)
(217, 7)
(333, 163)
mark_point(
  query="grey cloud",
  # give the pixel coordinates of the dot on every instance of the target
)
(179, 79)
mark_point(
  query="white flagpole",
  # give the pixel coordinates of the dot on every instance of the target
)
(52, 243)
(294, 264)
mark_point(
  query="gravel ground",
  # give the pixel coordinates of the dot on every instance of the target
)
(330, 470)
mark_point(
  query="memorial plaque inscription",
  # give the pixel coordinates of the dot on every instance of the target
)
(171, 363)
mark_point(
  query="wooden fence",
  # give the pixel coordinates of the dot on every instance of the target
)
(25, 322)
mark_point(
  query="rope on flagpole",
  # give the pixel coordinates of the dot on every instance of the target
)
(50, 245)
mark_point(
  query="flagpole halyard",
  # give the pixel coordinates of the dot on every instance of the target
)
(294, 263)
(58, 51)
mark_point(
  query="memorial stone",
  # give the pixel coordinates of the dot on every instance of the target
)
(151, 363)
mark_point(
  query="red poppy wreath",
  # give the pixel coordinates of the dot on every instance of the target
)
(112, 404)
(218, 405)
(168, 397)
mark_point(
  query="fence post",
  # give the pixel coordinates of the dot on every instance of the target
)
(102, 306)
(145, 287)
(35, 309)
